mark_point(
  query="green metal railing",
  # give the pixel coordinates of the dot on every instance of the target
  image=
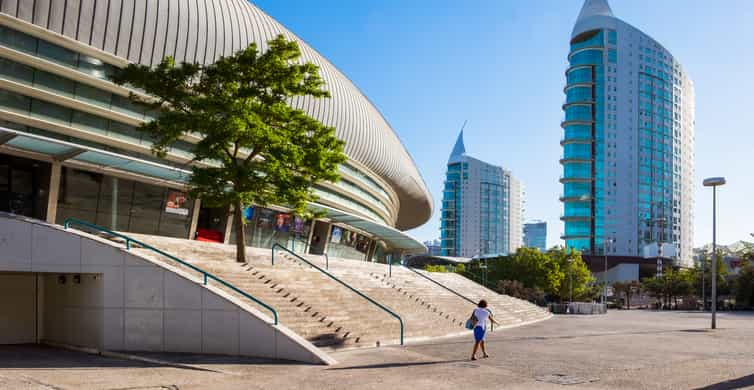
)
(206, 275)
(492, 325)
(333, 277)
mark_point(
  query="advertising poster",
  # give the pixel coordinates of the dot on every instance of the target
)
(298, 225)
(266, 219)
(282, 223)
(362, 244)
(337, 234)
(176, 203)
(248, 213)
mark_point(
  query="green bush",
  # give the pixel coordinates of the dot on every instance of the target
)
(435, 268)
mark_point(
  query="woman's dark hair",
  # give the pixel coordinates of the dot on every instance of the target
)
(482, 304)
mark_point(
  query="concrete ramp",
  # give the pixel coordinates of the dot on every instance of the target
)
(74, 288)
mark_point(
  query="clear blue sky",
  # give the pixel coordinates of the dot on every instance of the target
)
(430, 64)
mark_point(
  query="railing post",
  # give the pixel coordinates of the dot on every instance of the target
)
(327, 261)
(128, 244)
(205, 278)
(273, 253)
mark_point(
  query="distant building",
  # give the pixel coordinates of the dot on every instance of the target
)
(482, 207)
(628, 142)
(434, 247)
(535, 235)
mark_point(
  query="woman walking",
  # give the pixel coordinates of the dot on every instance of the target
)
(481, 314)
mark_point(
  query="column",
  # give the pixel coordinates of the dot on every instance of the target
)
(194, 218)
(53, 192)
(114, 205)
(327, 238)
(229, 225)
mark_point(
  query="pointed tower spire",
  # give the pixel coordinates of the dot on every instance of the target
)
(595, 8)
(459, 149)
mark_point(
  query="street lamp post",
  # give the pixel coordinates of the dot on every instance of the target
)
(570, 276)
(714, 182)
(604, 275)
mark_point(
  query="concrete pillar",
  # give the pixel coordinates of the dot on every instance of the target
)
(229, 225)
(371, 249)
(54, 192)
(327, 238)
(194, 218)
(114, 205)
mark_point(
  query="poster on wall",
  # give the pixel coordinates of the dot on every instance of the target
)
(348, 238)
(176, 203)
(282, 223)
(362, 244)
(298, 225)
(337, 234)
(248, 213)
(266, 219)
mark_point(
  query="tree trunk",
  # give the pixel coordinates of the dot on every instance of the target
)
(240, 233)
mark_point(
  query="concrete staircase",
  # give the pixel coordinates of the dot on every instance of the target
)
(330, 315)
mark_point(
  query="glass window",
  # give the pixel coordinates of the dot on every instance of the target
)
(14, 102)
(18, 40)
(51, 112)
(93, 95)
(89, 122)
(54, 83)
(124, 132)
(14, 71)
(58, 54)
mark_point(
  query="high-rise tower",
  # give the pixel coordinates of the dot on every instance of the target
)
(482, 207)
(628, 145)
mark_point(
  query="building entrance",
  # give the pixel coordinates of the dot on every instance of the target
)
(24, 186)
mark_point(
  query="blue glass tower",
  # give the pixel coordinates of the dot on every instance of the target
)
(628, 141)
(482, 207)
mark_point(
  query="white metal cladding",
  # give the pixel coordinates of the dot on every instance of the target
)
(145, 31)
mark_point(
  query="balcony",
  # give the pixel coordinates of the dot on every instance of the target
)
(564, 180)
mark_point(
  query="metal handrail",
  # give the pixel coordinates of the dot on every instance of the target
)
(440, 284)
(333, 277)
(492, 325)
(74, 221)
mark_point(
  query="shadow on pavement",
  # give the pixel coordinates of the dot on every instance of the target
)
(739, 383)
(41, 356)
(392, 365)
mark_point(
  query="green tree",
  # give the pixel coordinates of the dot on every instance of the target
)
(253, 148)
(575, 274)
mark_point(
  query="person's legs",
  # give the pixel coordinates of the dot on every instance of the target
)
(478, 337)
(484, 351)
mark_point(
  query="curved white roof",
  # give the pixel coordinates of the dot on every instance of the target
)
(145, 31)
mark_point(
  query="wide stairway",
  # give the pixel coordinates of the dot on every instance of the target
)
(332, 316)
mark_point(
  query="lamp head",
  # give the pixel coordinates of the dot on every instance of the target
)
(714, 181)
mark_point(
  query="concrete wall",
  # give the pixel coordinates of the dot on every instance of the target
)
(131, 303)
(17, 308)
(72, 309)
(620, 273)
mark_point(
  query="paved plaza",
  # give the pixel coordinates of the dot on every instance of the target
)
(629, 350)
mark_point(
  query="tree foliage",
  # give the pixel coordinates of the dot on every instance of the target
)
(534, 274)
(253, 146)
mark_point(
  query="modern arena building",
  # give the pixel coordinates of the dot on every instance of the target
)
(71, 148)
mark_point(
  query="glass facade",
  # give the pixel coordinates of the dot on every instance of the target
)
(347, 244)
(123, 205)
(450, 228)
(583, 142)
